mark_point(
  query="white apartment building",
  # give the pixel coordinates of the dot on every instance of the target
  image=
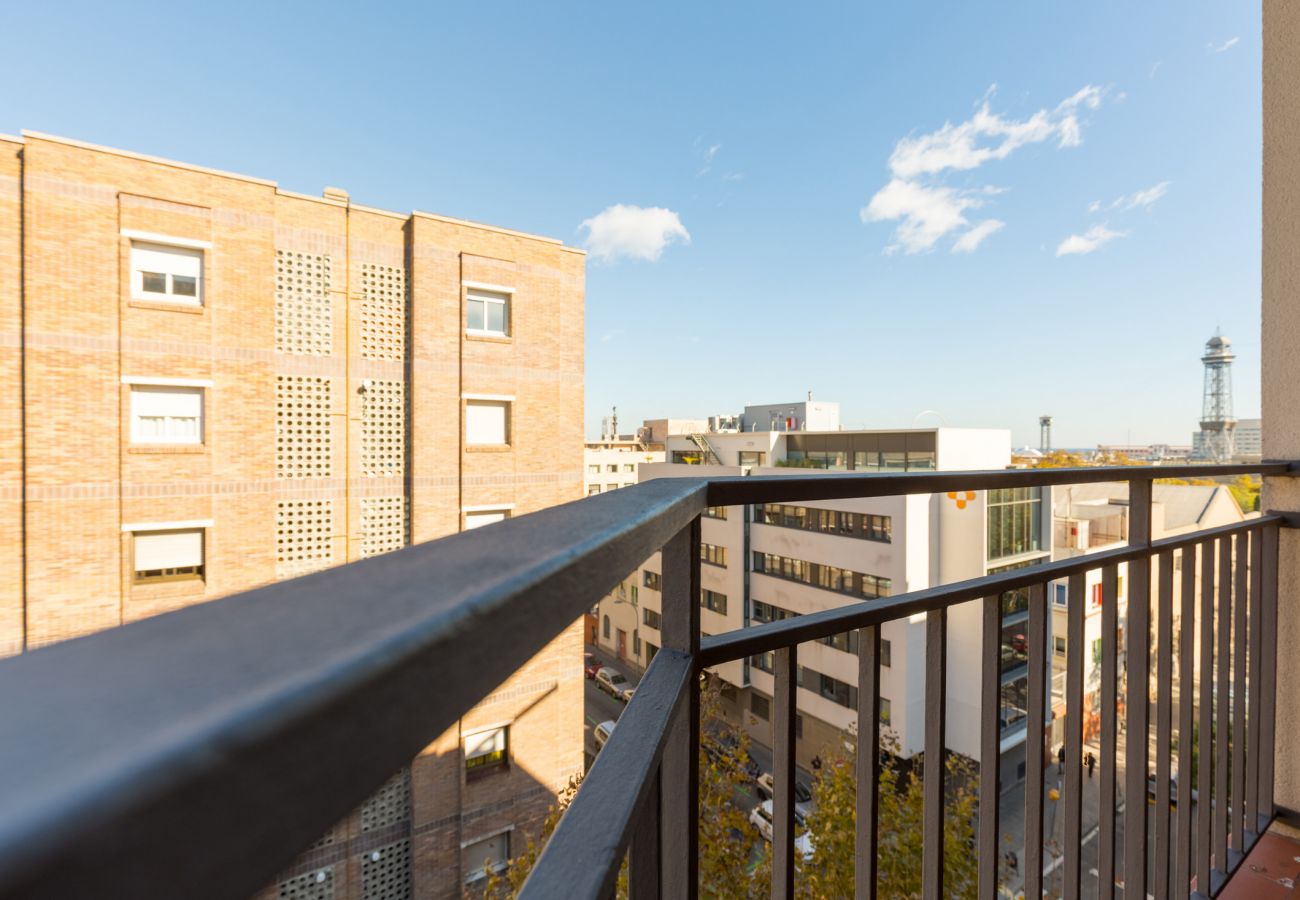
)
(767, 562)
(611, 462)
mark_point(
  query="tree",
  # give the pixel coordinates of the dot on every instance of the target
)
(1245, 490)
(1061, 459)
(727, 839)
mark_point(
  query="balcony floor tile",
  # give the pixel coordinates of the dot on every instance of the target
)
(1271, 870)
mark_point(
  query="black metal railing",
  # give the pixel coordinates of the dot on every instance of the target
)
(197, 753)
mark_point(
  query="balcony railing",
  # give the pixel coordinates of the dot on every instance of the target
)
(197, 753)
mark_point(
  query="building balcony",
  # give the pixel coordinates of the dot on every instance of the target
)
(134, 760)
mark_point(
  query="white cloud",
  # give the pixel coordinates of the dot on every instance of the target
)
(734, 176)
(927, 213)
(636, 232)
(1093, 239)
(1226, 45)
(1142, 198)
(1094, 206)
(973, 238)
(1155, 67)
(925, 208)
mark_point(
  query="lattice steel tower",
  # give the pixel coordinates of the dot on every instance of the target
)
(1218, 427)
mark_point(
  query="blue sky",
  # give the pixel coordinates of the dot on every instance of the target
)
(732, 149)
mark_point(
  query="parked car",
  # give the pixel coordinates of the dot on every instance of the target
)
(1173, 790)
(591, 665)
(761, 818)
(602, 733)
(727, 746)
(614, 683)
(802, 793)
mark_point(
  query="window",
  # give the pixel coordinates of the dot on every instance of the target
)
(760, 706)
(170, 555)
(886, 653)
(752, 457)
(831, 578)
(866, 526)
(886, 712)
(1058, 644)
(712, 600)
(713, 554)
(485, 751)
(1059, 595)
(632, 588)
(593, 490)
(479, 517)
(650, 651)
(605, 627)
(167, 274)
(480, 857)
(629, 467)
(487, 423)
(650, 618)
(487, 312)
(166, 414)
(715, 512)
(1014, 521)
(612, 467)
(636, 642)
(610, 487)
(650, 580)
(594, 468)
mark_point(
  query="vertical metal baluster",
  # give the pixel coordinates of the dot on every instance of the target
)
(1205, 720)
(783, 701)
(1268, 672)
(936, 711)
(1137, 659)
(868, 761)
(1164, 716)
(990, 740)
(1222, 666)
(1109, 702)
(680, 770)
(1037, 641)
(1238, 695)
(1186, 689)
(643, 859)
(1074, 738)
(1253, 686)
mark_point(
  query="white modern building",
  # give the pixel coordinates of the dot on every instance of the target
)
(611, 462)
(766, 562)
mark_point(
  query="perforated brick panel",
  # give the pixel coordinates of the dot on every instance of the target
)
(303, 532)
(303, 320)
(386, 872)
(390, 804)
(302, 427)
(317, 885)
(385, 524)
(383, 311)
(383, 428)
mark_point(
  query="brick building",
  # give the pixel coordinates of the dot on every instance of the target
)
(208, 383)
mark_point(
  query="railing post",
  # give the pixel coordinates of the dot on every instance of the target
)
(644, 860)
(1109, 734)
(990, 739)
(680, 772)
(1073, 797)
(868, 762)
(936, 714)
(1034, 750)
(1137, 662)
(784, 688)
(1268, 619)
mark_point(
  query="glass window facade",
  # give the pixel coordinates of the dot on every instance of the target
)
(832, 689)
(908, 451)
(842, 581)
(1015, 521)
(714, 601)
(827, 521)
(713, 554)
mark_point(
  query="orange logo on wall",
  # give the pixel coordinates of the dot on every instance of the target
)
(961, 498)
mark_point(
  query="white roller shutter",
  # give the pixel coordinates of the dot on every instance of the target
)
(485, 422)
(479, 519)
(168, 549)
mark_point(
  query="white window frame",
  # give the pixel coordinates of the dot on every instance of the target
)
(180, 249)
(140, 385)
(489, 293)
(481, 872)
(136, 530)
(480, 733)
(505, 510)
(504, 400)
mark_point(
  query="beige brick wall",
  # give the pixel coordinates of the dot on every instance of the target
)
(70, 332)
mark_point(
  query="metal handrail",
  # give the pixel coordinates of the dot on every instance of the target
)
(232, 726)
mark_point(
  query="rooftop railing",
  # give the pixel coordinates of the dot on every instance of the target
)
(197, 753)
